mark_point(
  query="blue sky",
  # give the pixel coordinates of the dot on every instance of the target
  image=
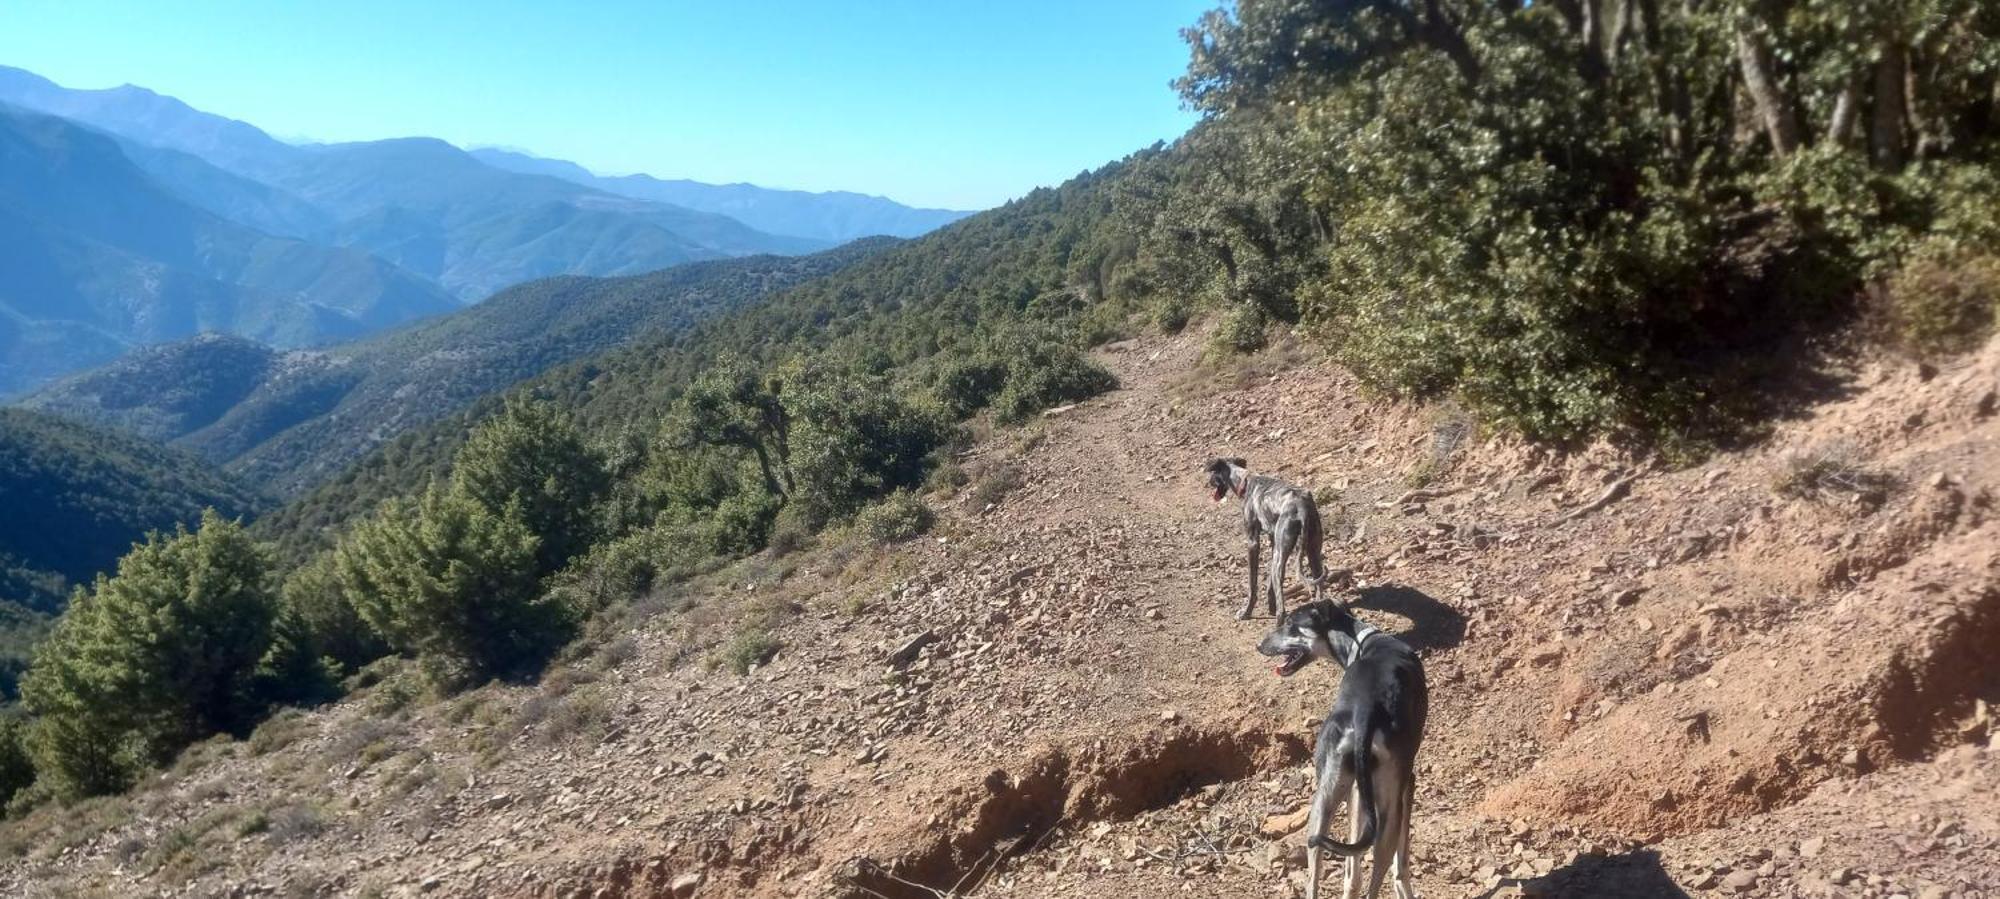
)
(950, 103)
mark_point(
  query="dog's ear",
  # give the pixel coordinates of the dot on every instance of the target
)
(1216, 466)
(1323, 615)
(1239, 462)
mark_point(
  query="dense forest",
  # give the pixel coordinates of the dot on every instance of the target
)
(1581, 219)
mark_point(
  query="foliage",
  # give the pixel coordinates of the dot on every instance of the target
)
(1240, 332)
(529, 457)
(1940, 303)
(452, 583)
(17, 768)
(315, 600)
(1553, 209)
(149, 660)
(900, 516)
(1044, 370)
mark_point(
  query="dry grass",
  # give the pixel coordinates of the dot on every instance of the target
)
(1833, 474)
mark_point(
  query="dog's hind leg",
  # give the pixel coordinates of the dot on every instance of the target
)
(1283, 539)
(1405, 818)
(1330, 781)
(1388, 787)
(1352, 888)
(1250, 605)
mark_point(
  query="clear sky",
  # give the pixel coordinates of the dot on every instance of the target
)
(954, 103)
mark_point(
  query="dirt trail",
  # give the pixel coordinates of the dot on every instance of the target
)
(1700, 686)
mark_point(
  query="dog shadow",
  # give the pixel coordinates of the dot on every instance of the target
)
(1433, 624)
(1638, 874)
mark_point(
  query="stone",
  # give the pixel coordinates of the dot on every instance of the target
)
(684, 885)
(1280, 825)
(1812, 847)
(1740, 881)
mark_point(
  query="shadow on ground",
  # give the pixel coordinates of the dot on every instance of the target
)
(1638, 874)
(1433, 625)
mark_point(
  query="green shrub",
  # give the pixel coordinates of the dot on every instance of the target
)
(1942, 302)
(1171, 314)
(749, 647)
(453, 584)
(853, 440)
(1044, 371)
(900, 516)
(531, 458)
(967, 384)
(1240, 332)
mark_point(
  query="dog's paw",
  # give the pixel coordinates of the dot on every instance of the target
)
(1243, 615)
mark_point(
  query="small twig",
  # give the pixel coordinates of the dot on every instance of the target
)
(1611, 494)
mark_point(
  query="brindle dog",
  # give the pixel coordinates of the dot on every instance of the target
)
(1287, 515)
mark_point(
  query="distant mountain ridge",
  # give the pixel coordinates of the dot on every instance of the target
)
(829, 215)
(133, 218)
(287, 420)
(102, 257)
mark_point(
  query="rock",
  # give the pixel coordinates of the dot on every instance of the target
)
(684, 885)
(1546, 654)
(1626, 596)
(1933, 891)
(1169, 716)
(1279, 825)
(499, 801)
(911, 647)
(1839, 876)
(1740, 881)
(1703, 881)
(1812, 847)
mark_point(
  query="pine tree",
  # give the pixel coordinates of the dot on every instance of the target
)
(453, 583)
(531, 456)
(147, 661)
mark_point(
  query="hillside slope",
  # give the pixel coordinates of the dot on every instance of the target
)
(290, 419)
(1659, 695)
(92, 493)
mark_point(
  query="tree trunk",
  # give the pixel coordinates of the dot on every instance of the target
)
(1886, 141)
(1760, 78)
(1846, 111)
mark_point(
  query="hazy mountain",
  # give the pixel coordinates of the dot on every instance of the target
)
(832, 215)
(286, 420)
(420, 203)
(434, 209)
(102, 257)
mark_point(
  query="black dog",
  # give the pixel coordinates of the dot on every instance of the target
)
(1370, 740)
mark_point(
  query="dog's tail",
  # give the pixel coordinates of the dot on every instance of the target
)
(1363, 760)
(1312, 559)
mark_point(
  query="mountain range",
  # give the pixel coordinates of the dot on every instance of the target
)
(138, 219)
(286, 420)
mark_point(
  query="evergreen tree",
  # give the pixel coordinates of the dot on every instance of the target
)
(452, 582)
(154, 658)
(531, 456)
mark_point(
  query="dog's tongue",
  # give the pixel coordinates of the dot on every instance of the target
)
(1278, 669)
